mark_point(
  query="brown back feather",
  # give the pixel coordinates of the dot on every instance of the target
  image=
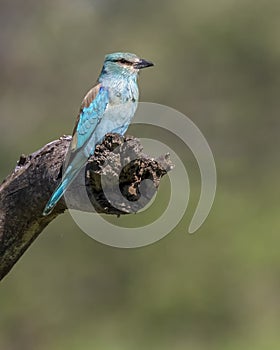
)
(90, 96)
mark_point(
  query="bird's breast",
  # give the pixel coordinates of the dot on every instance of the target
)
(123, 93)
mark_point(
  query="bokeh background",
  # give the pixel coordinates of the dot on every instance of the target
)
(217, 62)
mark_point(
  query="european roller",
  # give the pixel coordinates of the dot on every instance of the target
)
(109, 106)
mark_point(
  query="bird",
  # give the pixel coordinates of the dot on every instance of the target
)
(108, 107)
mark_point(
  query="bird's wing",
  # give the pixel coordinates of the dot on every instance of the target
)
(92, 109)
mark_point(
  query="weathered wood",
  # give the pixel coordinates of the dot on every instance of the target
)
(24, 193)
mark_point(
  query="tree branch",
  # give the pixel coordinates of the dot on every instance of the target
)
(24, 193)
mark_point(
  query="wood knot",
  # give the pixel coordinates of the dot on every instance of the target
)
(22, 160)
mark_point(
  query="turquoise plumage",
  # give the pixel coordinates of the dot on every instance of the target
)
(108, 107)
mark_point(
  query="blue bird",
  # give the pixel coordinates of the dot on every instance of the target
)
(108, 107)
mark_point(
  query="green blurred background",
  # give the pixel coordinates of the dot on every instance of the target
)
(217, 62)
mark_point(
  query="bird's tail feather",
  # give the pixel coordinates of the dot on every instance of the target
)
(61, 188)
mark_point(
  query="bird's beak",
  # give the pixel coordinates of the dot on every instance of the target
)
(142, 64)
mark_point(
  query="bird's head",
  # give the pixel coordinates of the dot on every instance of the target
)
(124, 63)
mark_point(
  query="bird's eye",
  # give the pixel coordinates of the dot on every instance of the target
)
(123, 61)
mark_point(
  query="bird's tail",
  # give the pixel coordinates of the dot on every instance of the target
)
(61, 188)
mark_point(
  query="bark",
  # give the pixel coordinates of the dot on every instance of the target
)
(113, 181)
